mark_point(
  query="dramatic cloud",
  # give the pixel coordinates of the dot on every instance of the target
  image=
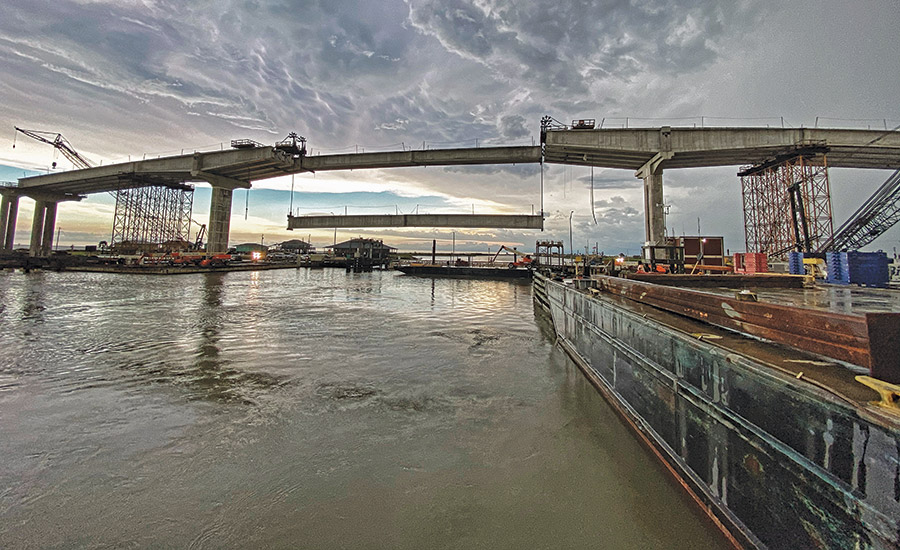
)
(124, 78)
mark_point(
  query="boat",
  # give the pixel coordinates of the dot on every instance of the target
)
(786, 436)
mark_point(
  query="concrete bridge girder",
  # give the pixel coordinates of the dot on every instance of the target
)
(498, 221)
(632, 149)
(696, 147)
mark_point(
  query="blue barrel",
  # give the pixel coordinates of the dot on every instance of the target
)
(838, 268)
(795, 263)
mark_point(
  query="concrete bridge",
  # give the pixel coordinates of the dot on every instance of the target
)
(418, 220)
(647, 151)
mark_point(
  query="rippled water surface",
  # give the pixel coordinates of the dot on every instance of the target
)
(310, 409)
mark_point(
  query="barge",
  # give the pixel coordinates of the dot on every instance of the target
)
(784, 444)
(431, 270)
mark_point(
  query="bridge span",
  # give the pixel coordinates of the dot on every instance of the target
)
(418, 220)
(647, 151)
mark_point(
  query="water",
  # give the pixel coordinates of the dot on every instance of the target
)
(314, 409)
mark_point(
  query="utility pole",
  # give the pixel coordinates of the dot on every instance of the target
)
(571, 246)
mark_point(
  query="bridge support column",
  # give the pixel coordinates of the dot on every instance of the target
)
(9, 210)
(42, 227)
(654, 212)
(219, 207)
(654, 207)
(49, 228)
(37, 228)
(219, 220)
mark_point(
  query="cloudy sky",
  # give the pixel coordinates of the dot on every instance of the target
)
(126, 78)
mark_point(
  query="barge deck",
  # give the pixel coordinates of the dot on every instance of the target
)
(783, 447)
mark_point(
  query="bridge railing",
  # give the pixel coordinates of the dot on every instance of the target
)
(764, 122)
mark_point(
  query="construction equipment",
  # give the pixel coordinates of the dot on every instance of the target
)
(526, 260)
(293, 144)
(143, 215)
(201, 233)
(60, 143)
(878, 214)
(583, 124)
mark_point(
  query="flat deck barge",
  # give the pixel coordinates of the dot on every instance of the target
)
(428, 270)
(783, 437)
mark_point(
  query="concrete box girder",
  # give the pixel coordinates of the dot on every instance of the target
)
(417, 220)
(696, 147)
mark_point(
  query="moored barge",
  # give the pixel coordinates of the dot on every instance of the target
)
(779, 442)
(432, 270)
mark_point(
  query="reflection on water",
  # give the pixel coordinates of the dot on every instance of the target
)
(309, 408)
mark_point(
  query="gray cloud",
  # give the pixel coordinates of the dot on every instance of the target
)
(609, 182)
(568, 45)
(124, 77)
(513, 126)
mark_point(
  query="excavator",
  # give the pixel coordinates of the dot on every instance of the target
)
(526, 260)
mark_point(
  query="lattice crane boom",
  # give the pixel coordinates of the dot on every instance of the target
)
(878, 214)
(60, 143)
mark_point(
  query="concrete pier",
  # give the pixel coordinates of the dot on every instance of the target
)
(9, 209)
(654, 208)
(37, 228)
(43, 225)
(219, 220)
(49, 228)
(223, 187)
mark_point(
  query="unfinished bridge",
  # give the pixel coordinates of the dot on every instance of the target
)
(646, 151)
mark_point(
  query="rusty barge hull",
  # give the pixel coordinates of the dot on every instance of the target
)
(777, 448)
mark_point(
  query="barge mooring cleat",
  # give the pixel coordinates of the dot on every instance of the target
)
(889, 393)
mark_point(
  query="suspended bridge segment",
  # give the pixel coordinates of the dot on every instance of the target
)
(498, 221)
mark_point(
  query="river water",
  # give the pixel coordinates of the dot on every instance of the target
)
(309, 408)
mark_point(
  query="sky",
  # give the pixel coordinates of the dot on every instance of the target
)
(127, 79)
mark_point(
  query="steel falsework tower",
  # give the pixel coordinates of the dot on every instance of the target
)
(153, 215)
(787, 204)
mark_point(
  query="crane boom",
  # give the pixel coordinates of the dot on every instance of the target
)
(57, 140)
(878, 214)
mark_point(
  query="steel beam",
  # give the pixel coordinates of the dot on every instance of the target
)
(871, 341)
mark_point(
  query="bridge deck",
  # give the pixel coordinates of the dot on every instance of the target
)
(612, 148)
(698, 147)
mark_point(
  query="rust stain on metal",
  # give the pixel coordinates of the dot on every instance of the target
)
(752, 465)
